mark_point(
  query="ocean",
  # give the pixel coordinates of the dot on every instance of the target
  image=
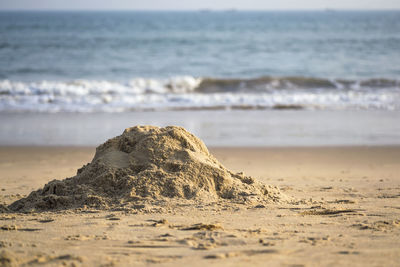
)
(230, 64)
(124, 61)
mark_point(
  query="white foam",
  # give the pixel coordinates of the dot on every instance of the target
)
(178, 93)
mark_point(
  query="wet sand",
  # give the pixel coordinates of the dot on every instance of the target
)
(348, 214)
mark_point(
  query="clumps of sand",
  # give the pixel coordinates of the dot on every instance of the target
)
(148, 164)
(7, 259)
(3, 208)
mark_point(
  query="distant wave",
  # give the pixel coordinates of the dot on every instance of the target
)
(188, 92)
(263, 84)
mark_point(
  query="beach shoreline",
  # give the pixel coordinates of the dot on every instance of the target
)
(218, 137)
(218, 128)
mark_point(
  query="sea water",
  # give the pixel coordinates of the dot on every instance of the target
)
(118, 62)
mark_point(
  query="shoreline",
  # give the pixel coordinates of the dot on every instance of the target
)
(281, 128)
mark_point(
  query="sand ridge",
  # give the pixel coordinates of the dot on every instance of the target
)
(149, 165)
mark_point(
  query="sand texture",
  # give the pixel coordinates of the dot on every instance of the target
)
(347, 212)
(148, 165)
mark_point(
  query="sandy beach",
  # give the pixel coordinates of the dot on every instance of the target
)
(348, 213)
(199, 133)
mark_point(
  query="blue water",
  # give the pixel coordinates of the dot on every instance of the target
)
(124, 45)
(119, 61)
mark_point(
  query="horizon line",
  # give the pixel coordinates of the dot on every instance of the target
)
(203, 10)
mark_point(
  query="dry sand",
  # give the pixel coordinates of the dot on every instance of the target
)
(149, 168)
(349, 214)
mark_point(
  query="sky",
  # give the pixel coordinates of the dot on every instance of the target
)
(196, 4)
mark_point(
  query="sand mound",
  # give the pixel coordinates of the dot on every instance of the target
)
(145, 164)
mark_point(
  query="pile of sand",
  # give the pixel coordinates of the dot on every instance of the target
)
(148, 163)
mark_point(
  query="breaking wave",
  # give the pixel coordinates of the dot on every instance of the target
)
(188, 92)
